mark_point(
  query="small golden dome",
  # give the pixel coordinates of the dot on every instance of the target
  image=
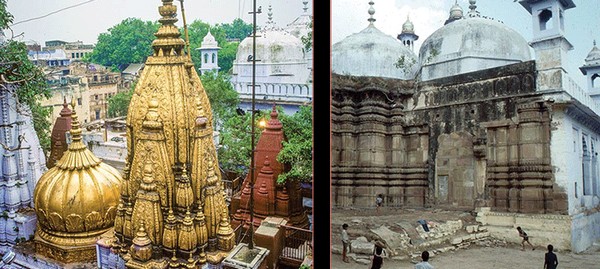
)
(76, 200)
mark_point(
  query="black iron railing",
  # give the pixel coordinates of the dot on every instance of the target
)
(297, 243)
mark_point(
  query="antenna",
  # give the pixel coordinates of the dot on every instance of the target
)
(185, 30)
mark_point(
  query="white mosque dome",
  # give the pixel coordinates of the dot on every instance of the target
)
(372, 53)
(273, 46)
(471, 44)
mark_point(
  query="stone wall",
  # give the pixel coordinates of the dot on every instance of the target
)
(542, 229)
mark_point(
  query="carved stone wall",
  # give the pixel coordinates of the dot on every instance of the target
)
(520, 173)
(476, 139)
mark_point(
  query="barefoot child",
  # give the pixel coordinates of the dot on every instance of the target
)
(525, 238)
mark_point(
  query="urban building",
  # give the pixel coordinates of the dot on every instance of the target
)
(209, 54)
(471, 122)
(283, 69)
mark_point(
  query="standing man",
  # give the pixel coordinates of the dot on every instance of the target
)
(525, 238)
(551, 261)
(424, 264)
(345, 242)
(379, 201)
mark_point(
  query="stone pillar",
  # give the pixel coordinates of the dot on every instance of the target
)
(534, 160)
(270, 235)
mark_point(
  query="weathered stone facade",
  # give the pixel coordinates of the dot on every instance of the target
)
(475, 139)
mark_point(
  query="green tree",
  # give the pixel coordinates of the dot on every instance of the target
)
(223, 98)
(307, 39)
(227, 55)
(118, 104)
(297, 150)
(125, 43)
(238, 29)
(27, 80)
(234, 151)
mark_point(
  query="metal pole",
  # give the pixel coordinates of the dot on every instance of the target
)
(252, 163)
(185, 30)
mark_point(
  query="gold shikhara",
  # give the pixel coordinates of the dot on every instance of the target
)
(172, 209)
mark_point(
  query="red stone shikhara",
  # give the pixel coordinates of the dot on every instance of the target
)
(59, 139)
(270, 198)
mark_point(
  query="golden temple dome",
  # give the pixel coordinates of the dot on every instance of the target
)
(77, 199)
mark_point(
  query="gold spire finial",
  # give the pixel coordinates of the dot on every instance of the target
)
(75, 130)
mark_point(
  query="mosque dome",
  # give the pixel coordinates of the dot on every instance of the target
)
(272, 46)
(300, 26)
(471, 44)
(372, 53)
(77, 199)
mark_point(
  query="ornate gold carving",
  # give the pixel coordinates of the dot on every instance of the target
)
(173, 158)
(74, 223)
(75, 201)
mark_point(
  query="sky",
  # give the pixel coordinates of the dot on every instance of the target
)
(85, 22)
(582, 23)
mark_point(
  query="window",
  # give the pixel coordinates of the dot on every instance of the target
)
(96, 97)
(595, 80)
(214, 57)
(205, 57)
(79, 101)
(97, 114)
(72, 55)
(545, 17)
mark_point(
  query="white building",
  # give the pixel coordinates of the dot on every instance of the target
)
(283, 70)
(209, 54)
(473, 122)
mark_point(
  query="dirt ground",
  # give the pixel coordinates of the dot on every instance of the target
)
(510, 256)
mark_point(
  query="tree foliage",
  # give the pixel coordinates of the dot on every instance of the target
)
(234, 154)
(307, 39)
(223, 98)
(238, 29)
(28, 80)
(198, 29)
(234, 151)
(297, 150)
(125, 43)
(119, 103)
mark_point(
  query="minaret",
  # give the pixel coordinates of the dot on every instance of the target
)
(591, 69)
(209, 53)
(549, 41)
(456, 13)
(408, 36)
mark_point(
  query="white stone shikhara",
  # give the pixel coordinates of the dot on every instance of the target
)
(21, 167)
